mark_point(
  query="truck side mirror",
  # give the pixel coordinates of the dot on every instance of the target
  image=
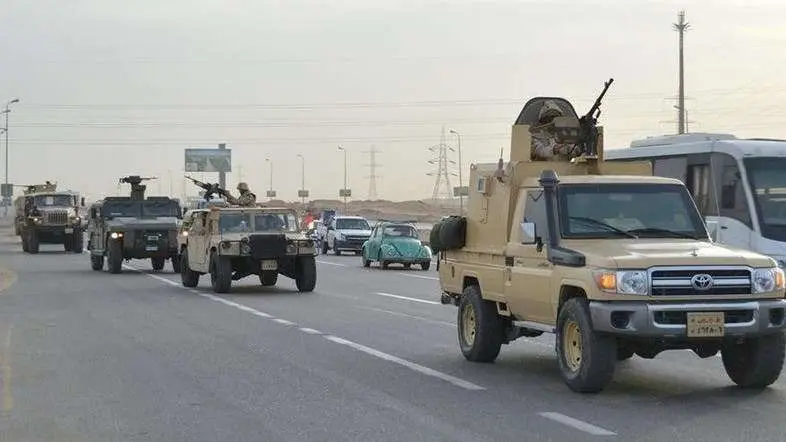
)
(82, 202)
(527, 233)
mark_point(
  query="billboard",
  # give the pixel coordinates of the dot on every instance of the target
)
(208, 160)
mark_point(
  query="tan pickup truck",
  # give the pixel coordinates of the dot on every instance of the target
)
(612, 260)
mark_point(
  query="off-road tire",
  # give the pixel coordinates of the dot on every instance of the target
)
(425, 265)
(68, 243)
(158, 263)
(78, 245)
(176, 261)
(363, 260)
(97, 262)
(25, 246)
(486, 327)
(268, 278)
(755, 362)
(220, 273)
(598, 353)
(325, 248)
(33, 245)
(188, 277)
(305, 273)
(114, 256)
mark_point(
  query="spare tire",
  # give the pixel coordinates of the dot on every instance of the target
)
(453, 232)
(433, 238)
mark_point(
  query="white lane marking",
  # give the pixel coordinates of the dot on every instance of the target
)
(368, 350)
(577, 424)
(404, 315)
(423, 277)
(390, 295)
(310, 331)
(403, 362)
(332, 263)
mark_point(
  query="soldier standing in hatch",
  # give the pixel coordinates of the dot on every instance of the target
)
(544, 142)
(246, 198)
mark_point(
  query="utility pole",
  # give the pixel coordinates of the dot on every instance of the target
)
(442, 174)
(372, 175)
(461, 181)
(681, 26)
(302, 192)
(344, 192)
(271, 193)
(7, 198)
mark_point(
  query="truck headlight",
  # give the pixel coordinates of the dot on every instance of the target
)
(115, 235)
(767, 280)
(623, 282)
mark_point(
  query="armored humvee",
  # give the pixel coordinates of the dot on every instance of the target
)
(230, 243)
(614, 261)
(134, 227)
(45, 215)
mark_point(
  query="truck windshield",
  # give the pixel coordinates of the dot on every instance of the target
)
(767, 178)
(154, 209)
(53, 200)
(275, 222)
(352, 224)
(628, 210)
(121, 208)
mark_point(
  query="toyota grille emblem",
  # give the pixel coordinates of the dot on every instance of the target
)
(701, 282)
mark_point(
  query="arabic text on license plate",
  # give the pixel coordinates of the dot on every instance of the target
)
(706, 324)
(152, 238)
(151, 248)
(269, 264)
(69, 230)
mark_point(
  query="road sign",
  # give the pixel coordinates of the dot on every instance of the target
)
(208, 160)
(302, 193)
(345, 193)
(271, 193)
(461, 191)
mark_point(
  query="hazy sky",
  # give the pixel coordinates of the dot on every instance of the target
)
(110, 88)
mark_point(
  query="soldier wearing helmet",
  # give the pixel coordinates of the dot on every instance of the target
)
(246, 198)
(544, 142)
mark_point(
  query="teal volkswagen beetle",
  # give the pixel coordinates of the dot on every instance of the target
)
(395, 243)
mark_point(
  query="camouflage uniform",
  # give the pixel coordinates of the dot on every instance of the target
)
(246, 198)
(545, 145)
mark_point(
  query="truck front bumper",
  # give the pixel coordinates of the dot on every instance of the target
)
(669, 320)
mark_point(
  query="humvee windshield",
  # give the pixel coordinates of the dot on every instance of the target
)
(152, 209)
(628, 210)
(53, 200)
(141, 209)
(258, 222)
(121, 209)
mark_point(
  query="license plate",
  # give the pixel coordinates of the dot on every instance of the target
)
(69, 230)
(151, 248)
(706, 324)
(269, 264)
(152, 238)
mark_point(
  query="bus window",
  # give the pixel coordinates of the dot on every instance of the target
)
(698, 183)
(733, 203)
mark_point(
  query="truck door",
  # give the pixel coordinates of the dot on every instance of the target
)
(528, 284)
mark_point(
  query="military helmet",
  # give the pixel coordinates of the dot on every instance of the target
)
(242, 186)
(549, 111)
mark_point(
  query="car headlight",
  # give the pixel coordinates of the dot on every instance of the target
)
(387, 249)
(116, 235)
(767, 280)
(623, 282)
(427, 251)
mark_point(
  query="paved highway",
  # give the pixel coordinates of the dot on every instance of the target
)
(369, 356)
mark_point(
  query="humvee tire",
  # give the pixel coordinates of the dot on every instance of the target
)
(220, 273)
(97, 262)
(481, 331)
(114, 257)
(305, 273)
(755, 362)
(25, 247)
(32, 242)
(188, 277)
(268, 279)
(78, 243)
(586, 359)
(157, 262)
(176, 262)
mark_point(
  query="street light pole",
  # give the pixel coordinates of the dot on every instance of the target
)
(461, 181)
(7, 111)
(345, 177)
(271, 176)
(302, 177)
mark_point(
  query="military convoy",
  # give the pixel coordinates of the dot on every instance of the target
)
(45, 215)
(121, 228)
(231, 243)
(609, 258)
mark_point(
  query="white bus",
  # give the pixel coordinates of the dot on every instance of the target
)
(739, 185)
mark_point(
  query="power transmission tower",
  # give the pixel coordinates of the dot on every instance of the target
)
(372, 173)
(442, 174)
(681, 26)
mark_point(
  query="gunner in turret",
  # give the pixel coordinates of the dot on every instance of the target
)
(545, 145)
(246, 198)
